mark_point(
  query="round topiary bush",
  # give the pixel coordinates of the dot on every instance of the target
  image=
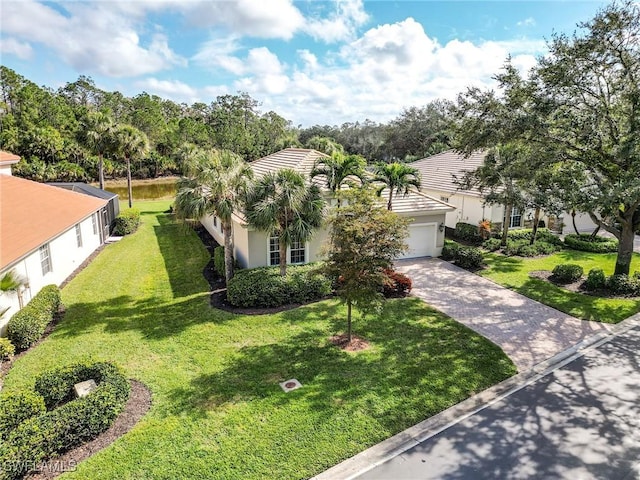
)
(68, 421)
(492, 244)
(588, 243)
(449, 250)
(469, 258)
(623, 285)
(567, 272)
(596, 279)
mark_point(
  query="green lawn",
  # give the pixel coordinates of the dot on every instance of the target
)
(218, 411)
(513, 272)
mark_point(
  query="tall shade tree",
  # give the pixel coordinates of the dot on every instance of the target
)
(98, 136)
(214, 183)
(132, 144)
(398, 178)
(325, 145)
(364, 240)
(283, 204)
(339, 170)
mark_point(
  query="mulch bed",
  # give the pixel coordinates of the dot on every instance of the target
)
(136, 407)
(577, 286)
(356, 344)
(219, 300)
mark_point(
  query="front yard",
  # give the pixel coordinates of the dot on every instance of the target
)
(513, 273)
(218, 411)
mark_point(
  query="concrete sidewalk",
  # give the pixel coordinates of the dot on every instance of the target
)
(528, 331)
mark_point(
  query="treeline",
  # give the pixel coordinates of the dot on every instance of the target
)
(54, 131)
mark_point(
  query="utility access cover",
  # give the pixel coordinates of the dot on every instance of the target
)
(289, 385)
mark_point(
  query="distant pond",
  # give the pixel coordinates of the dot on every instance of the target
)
(145, 189)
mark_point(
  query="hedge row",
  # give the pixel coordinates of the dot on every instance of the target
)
(470, 258)
(542, 235)
(588, 243)
(42, 436)
(27, 326)
(467, 232)
(265, 287)
(127, 222)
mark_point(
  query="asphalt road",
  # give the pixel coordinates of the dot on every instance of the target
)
(580, 422)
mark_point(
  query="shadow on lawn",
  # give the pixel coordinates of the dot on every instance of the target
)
(418, 365)
(577, 304)
(504, 264)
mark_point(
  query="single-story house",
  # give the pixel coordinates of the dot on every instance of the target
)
(46, 233)
(113, 205)
(438, 174)
(254, 248)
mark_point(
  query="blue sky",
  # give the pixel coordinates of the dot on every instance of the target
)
(323, 62)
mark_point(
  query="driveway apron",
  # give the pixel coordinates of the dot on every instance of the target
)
(528, 331)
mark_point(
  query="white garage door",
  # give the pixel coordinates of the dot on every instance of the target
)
(421, 240)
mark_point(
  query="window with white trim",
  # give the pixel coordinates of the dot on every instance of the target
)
(45, 259)
(297, 252)
(94, 223)
(516, 218)
(444, 199)
(79, 235)
(274, 250)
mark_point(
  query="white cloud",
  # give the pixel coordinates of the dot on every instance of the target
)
(340, 25)
(176, 90)
(527, 22)
(89, 37)
(12, 46)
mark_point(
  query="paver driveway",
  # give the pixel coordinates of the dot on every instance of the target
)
(528, 331)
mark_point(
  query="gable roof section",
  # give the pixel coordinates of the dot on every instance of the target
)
(84, 188)
(301, 160)
(32, 213)
(437, 172)
(415, 203)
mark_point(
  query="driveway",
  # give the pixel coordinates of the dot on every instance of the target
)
(528, 332)
(582, 421)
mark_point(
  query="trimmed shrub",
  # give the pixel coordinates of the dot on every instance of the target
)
(265, 287)
(16, 407)
(6, 349)
(543, 235)
(397, 284)
(492, 245)
(218, 261)
(450, 250)
(469, 258)
(42, 437)
(623, 285)
(467, 232)
(567, 272)
(27, 326)
(127, 222)
(522, 248)
(587, 243)
(596, 279)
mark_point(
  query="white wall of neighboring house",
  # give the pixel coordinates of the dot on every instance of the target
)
(584, 223)
(65, 256)
(469, 208)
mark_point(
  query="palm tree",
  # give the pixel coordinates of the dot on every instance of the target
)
(131, 143)
(12, 282)
(98, 135)
(398, 178)
(284, 205)
(213, 184)
(338, 169)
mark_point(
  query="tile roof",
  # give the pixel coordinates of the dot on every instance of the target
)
(301, 160)
(7, 158)
(437, 171)
(33, 213)
(415, 203)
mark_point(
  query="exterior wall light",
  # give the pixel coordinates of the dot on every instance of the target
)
(441, 227)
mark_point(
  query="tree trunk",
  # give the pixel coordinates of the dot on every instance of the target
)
(228, 252)
(595, 232)
(390, 199)
(130, 190)
(536, 220)
(101, 171)
(348, 321)
(625, 249)
(573, 220)
(505, 225)
(283, 256)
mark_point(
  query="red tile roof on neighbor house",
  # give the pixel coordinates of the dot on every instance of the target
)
(32, 213)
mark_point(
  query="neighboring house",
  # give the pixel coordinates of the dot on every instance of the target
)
(253, 248)
(438, 174)
(113, 205)
(45, 234)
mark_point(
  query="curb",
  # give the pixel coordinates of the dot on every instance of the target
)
(392, 447)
